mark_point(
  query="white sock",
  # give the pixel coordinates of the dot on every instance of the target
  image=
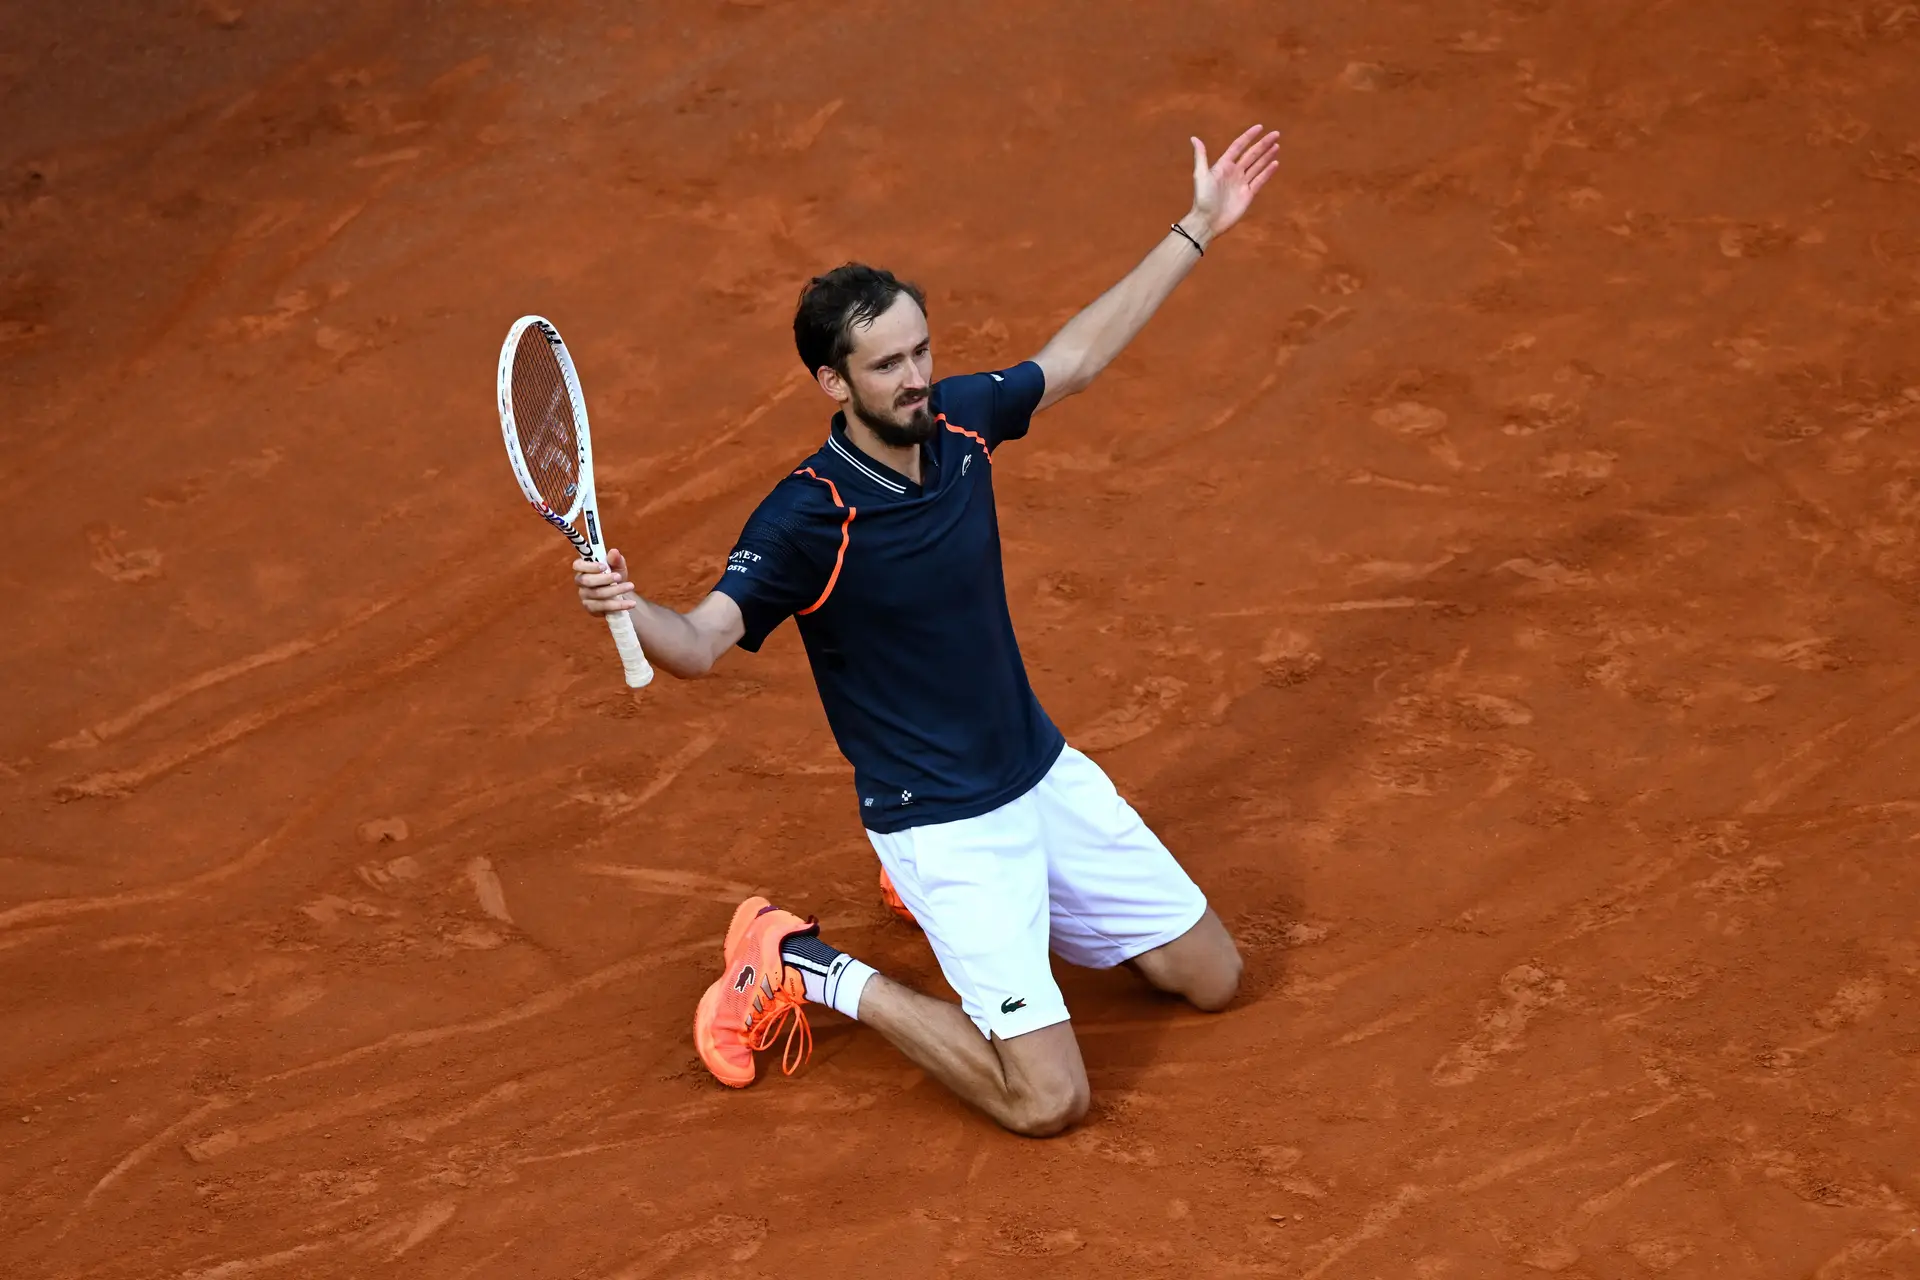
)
(832, 977)
(845, 982)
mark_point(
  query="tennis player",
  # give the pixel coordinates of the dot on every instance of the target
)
(1002, 840)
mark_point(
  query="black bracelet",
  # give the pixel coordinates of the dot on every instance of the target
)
(1186, 235)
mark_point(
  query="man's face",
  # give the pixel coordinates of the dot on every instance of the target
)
(890, 375)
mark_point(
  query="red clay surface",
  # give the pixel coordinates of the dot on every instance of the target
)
(1495, 574)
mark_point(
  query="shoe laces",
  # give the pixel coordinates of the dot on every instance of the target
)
(781, 1009)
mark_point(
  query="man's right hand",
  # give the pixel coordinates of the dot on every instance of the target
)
(604, 588)
(681, 644)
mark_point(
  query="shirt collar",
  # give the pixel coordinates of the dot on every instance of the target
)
(842, 446)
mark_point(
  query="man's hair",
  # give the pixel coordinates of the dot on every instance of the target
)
(833, 304)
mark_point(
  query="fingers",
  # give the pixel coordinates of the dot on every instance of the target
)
(594, 578)
(604, 587)
(1250, 158)
(590, 573)
(1199, 160)
(1238, 147)
(615, 562)
(1260, 178)
(1261, 152)
(614, 598)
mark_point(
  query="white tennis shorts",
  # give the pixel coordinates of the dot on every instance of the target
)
(1068, 866)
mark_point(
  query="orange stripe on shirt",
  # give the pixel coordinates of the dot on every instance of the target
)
(972, 435)
(846, 529)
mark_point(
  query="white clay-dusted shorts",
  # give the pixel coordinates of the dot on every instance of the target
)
(1068, 867)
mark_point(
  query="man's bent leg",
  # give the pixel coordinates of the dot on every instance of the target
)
(978, 887)
(775, 963)
(1118, 897)
(1033, 1084)
(1201, 965)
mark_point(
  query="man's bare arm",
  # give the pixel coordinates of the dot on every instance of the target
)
(681, 644)
(1221, 193)
(1089, 342)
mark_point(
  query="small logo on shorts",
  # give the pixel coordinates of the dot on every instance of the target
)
(965, 463)
(1010, 1005)
(745, 979)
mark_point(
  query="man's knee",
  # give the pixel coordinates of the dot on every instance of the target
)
(1042, 1113)
(1202, 966)
(1215, 986)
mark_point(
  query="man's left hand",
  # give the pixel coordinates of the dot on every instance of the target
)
(1223, 190)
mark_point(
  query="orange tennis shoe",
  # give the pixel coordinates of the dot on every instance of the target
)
(891, 896)
(755, 997)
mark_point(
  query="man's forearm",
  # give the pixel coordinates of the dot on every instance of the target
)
(673, 643)
(1089, 342)
(1222, 191)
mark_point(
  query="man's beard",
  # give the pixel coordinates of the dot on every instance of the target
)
(916, 429)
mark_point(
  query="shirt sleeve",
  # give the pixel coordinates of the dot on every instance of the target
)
(774, 571)
(999, 406)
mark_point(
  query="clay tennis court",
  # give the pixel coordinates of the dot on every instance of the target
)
(1495, 573)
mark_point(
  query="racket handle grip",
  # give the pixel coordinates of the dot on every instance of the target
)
(639, 672)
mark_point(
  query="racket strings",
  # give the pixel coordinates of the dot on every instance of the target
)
(543, 419)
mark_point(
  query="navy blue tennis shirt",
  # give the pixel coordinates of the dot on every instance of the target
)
(900, 599)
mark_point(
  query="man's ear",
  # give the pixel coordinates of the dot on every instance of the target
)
(833, 384)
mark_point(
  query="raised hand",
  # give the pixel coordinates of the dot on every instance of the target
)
(1223, 190)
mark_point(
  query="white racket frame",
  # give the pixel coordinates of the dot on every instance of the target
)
(585, 513)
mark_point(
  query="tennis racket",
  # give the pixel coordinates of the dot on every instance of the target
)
(543, 417)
